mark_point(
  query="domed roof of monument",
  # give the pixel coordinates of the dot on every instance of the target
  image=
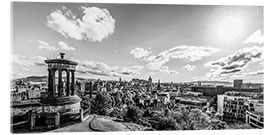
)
(61, 60)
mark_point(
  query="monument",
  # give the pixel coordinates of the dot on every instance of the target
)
(61, 98)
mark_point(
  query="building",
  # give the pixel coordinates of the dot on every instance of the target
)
(219, 90)
(191, 102)
(158, 105)
(164, 97)
(233, 105)
(252, 85)
(237, 83)
(255, 113)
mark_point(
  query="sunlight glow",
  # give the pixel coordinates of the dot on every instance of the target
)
(229, 28)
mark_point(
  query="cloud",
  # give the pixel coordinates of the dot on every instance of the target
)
(256, 37)
(188, 53)
(31, 61)
(102, 69)
(94, 24)
(45, 45)
(140, 53)
(236, 62)
(259, 72)
(64, 46)
(189, 67)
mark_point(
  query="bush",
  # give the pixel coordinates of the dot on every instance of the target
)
(116, 112)
(192, 120)
(102, 103)
(160, 122)
(144, 122)
(133, 114)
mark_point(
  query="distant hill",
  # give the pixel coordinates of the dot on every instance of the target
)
(44, 79)
(34, 79)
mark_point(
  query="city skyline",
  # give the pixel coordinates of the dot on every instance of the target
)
(168, 42)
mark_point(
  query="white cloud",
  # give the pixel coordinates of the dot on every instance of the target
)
(102, 69)
(45, 45)
(140, 53)
(94, 24)
(234, 63)
(29, 61)
(256, 37)
(64, 46)
(189, 67)
(188, 53)
(259, 72)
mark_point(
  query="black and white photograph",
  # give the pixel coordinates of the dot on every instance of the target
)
(122, 67)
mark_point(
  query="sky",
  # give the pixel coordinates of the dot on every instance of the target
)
(176, 43)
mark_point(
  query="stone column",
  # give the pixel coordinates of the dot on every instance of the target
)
(49, 82)
(60, 85)
(53, 83)
(67, 84)
(72, 83)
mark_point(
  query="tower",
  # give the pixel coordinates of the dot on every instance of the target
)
(158, 85)
(120, 79)
(149, 84)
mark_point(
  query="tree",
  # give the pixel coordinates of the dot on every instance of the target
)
(217, 124)
(161, 122)
(127, 99)
(102, 103)
(133, 114)
(191, 120)
(116, 112)
(198, 119)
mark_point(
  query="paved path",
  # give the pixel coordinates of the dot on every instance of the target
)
(95, 123)
(79, 127)
(99, 123)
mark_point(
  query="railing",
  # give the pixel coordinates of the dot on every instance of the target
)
(50, 120)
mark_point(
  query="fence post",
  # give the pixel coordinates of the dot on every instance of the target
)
(57, 119)
(29, 118)
(89, 109)
(81, 115)
(32, 120)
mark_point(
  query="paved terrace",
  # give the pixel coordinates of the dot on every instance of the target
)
(96, 123)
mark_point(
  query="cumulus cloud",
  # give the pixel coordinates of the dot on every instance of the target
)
(236, 62)
(64, 46)
(140, 52)
(94, 24)
(102, 69)
(256, 37)
(29, 61)
(45, 45)
(189, 53)
(189, 67)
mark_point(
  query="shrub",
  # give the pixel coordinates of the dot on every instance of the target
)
(133, 114)
(116, 112)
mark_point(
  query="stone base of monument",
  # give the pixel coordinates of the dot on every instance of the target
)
(61, 104)
(67, 109)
